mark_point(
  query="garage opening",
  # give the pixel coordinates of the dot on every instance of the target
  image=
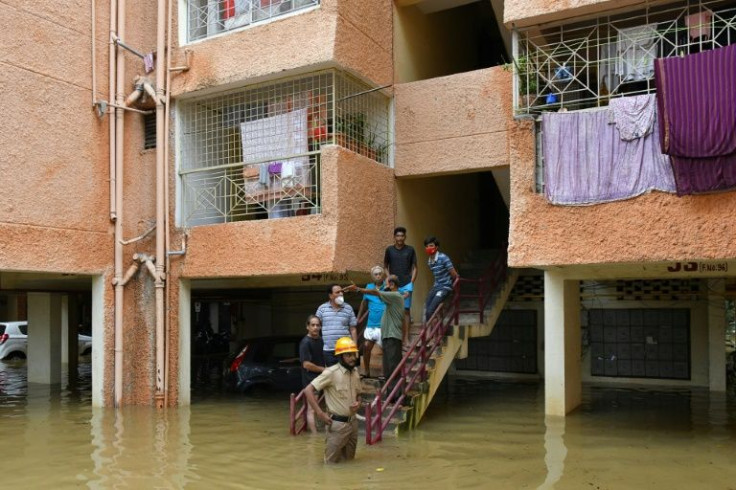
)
(246, 341)
(45, 336)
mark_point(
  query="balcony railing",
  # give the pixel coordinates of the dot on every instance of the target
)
(255, 152)
(583, 64)
(207, 18)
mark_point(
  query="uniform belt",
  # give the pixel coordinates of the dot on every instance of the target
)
(342, 418)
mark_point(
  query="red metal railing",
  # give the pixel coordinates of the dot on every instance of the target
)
(413, 366)
(486, 285)
(298, 413)
(412, 369)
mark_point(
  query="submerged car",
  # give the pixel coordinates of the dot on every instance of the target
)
(14, 341)
(266, 362)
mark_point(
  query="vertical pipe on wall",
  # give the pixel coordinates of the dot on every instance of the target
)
(160, 283)
(167, 235)
(119, 144)
(112, 52)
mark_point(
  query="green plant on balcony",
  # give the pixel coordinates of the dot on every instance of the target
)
(526, 74)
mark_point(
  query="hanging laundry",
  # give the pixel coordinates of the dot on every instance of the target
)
(148, 62)
(637, 49)
(697, 113)
(274, 139)
(704, 175)
(634, 116)
(587, 162)
(697, 103)
(700, 24)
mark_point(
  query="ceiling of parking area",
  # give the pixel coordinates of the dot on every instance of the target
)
(34, 281)
(292, 280)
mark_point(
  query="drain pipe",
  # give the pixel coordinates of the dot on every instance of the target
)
(167, 232)
(112, 52)
(119, 145)
(160, 272)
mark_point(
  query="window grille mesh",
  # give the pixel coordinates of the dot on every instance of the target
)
(210, 17)
(254, 152)
(581, 65)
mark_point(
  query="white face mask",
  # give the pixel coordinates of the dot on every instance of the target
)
(339, 301)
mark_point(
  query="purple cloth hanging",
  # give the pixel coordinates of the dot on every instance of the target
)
(587, 162)
(696, 98)
(704, 175)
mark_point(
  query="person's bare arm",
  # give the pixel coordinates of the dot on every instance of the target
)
(312, 400)
(312, 367)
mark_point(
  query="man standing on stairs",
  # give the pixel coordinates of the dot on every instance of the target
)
(391, 323)
(341, 384)
(444, 276)
(372, 308)
(338, 320)
(400, 259)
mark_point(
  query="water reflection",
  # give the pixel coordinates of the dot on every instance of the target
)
(476, 435)
(555, 451)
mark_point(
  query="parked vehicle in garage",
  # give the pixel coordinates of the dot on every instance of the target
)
(14, 341)
(267, 362)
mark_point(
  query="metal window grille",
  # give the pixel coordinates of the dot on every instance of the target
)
(149, 131)
(583, 64)
(207, 18)
(254, 152)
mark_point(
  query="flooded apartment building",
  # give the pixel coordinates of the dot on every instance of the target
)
(207, 165)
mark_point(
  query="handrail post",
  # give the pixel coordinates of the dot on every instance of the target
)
(368, 425)
(292, 415)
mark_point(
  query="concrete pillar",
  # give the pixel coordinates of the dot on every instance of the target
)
(185, 342)
(562, 365)
(100, 287)
(716, 334)
(44, 338)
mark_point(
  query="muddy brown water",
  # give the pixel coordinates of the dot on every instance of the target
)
(477, 434)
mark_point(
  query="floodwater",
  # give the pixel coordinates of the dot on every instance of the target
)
(477, 434)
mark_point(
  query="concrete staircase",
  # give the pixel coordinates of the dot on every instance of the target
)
(454, 345)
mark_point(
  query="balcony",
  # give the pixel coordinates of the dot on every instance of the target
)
(207, 18)
(583, 64)
(256, 152)
(452, 124)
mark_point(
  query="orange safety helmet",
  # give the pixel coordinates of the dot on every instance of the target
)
(345, 345)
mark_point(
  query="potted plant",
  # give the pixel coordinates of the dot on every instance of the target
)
(527, 77)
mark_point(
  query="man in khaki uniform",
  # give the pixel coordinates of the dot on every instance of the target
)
(341, 384)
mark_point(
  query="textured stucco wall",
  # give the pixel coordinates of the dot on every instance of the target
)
(351, 34)
(357, 206)
(53, 173)
(650, 228)
(451, 124)
(524, 13)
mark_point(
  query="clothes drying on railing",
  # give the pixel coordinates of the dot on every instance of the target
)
(586, 161)
(697, 113)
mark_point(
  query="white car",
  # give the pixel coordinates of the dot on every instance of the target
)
(14, 341)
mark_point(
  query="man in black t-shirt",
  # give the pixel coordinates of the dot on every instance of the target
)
(400, 260)
(312, 360)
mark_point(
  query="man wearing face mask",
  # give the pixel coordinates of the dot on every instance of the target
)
(341, 384)
(444, 276)
(338, 320)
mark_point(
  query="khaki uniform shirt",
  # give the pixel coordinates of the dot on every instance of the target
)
(341, 388)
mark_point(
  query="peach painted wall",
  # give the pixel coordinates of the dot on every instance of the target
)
(649, 228)
(348, 33)
(457, 123)
(524, 13)
(53, 170)
(357, 213)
